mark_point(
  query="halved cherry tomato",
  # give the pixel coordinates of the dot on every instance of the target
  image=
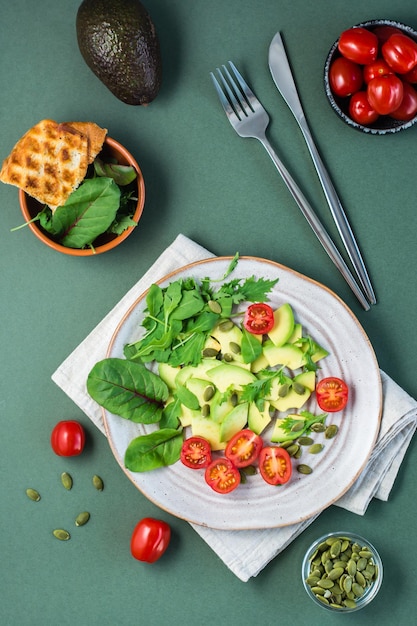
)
(385, 93)
(400, 52)
(332, 394)
(275, 465)
(408, 107)
(259, 318)
(244, 448)
(68, 438)
(377, 68)
(360, 110)
(359, 45)
(150, 539)
(196, 453)
(222, 476)
(345, 77)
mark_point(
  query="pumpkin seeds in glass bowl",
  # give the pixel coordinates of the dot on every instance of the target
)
(342, 572)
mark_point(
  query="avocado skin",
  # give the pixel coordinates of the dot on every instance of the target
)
(118, 41)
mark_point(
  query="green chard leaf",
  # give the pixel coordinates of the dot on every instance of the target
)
(128, 389)
(157, 449)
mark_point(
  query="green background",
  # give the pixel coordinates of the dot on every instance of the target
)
(223, 191)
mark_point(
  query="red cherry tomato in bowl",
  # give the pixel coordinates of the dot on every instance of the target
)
(332, 394)
(150, 539)
(400, 52)
(259, 318)
(243, 449)
(360, 110)
(375, 69)
(408, 107)
(196, 453)
(385, 93)
(68, 438)
(358, 44)
(345, 77)
(275, 465)
(222, 476)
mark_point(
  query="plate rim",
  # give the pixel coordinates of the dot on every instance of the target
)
(187, 268)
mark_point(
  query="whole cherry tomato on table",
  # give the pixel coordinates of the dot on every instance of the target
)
(385, 93)
(150, 539)
(243, 449)
(196, 453)
(358, 44)
(222, 476)
(345, 77)
(275, 465)
(400, 52)
(408, 107)
(360, 110)
(259, 318)
(332, 394)
(68, 438)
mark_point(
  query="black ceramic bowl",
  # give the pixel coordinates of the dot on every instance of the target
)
(340, 106)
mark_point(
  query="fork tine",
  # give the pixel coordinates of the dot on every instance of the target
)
(224, 101)
(236, 96)
(246, 90)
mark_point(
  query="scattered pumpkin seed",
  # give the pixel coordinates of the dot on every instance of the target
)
(210, 352)
(214, 306)
(304, 469)
(298, 388)
(205, 410)
(208, 393)
(226, 325)
(305, 441)
(283, 390)
(297, 426)
(331, 431)
(318, 427)
(98, 483)
(228, 357)
(66, 480)
(316, 448)
(33, 495)
(82, 518)
(235, 347)
(293, 449)
(61, 534)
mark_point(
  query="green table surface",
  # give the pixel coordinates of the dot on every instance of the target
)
(222, 191)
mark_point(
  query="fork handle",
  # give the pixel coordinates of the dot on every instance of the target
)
(338, 212)
(314, 222)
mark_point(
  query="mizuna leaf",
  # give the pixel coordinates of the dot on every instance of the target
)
(128, 389)
(88, 212)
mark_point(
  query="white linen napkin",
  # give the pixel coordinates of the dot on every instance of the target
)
(246, 552)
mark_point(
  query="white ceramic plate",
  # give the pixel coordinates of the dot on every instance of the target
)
(254, 505)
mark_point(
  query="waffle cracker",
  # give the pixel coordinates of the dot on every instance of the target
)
(51, 160)
(95, 136)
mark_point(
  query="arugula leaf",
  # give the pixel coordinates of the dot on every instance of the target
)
(187, 398)
(251, 347)
(157, 449)
(128, 389)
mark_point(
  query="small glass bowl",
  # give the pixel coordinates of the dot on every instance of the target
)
(384, 124)
(371, 586)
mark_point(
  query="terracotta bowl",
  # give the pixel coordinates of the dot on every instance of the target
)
(384, 125)
(31, 207)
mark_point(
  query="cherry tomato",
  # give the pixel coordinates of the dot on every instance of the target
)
(244, 448)
(411, 76)
(384, 32)
(275, 465)
(400, 52)
(150, 539)
(332, 394)
(359, 45)
(259, 318)
(375, 69)
(360, 110)
(385, 93)
(196, 453)
(408, 107)
(345, 77)
(222, 476)
(68, 438)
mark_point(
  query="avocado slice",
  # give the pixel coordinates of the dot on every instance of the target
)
(118, 41)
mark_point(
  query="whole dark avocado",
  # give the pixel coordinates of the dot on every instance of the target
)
(118, 41)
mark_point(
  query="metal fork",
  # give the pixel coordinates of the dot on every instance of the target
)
(249, 119)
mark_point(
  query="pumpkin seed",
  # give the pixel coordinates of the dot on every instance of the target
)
(61, 534)
(228, 357)
(205, 410)
(283, 390)
(305, 441)
(208, 393)
(98, 483)
(304, 469)
(349, 604)
(326, 583)
(298, 425)
(66, 480)
(210, 352)
(82, 518)
(33, 495)
(298, 388)
(214, 306)
(331, 431)
(226, 325)
(235, 347)
(293, 449)
(316, 448)
(318, 427)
